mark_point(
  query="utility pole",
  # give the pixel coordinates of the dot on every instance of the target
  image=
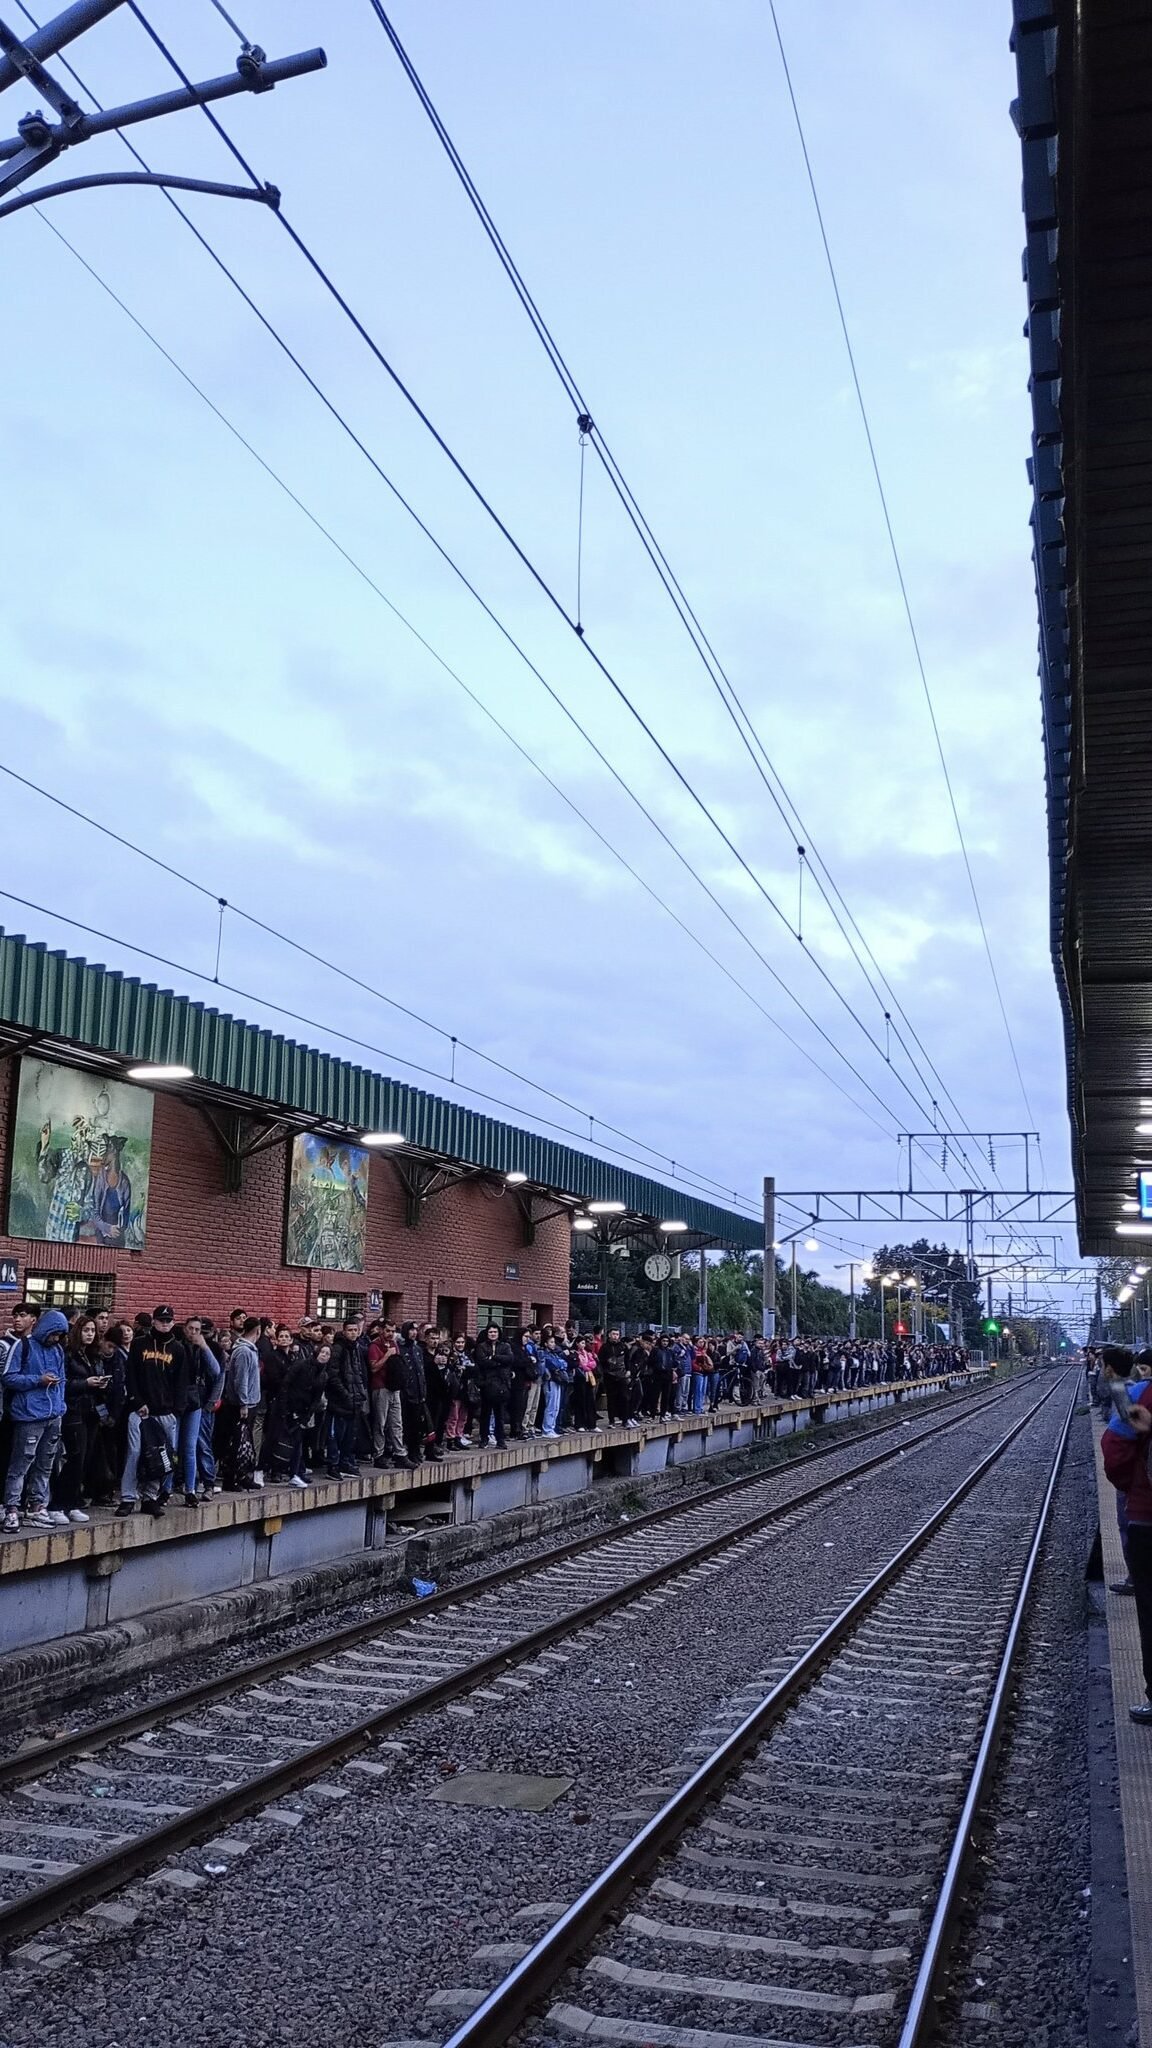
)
(792, 1324)
(702, 1310)
(852, 1301)
(39, 140)
(768, 1316)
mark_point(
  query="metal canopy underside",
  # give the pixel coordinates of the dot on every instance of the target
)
(1085, 120)
(67, 1009)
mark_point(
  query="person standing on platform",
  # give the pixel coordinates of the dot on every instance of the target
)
(34, 1380)
(235, 1449)
(494, 1374)
(1125, 1446)
(157, 1386)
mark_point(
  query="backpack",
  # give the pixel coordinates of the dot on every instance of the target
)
(1121, 1456)
(155, 1463)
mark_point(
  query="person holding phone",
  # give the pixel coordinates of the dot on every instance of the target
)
(85, 1384)
(34, 1378)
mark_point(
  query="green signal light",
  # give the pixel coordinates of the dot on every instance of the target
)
(991, 1328)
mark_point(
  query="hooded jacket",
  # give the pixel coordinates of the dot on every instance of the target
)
(158, 1373)
(29, 1359)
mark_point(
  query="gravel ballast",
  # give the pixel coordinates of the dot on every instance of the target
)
(339, 1927)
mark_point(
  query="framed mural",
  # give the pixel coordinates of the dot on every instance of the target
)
(327, 1204)
(81, 1158)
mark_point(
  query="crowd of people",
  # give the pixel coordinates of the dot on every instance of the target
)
(108, 1413)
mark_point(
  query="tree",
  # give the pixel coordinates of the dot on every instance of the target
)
(736, 1292)
(937, 1267)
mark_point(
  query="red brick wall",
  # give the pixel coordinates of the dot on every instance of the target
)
(211, 1251)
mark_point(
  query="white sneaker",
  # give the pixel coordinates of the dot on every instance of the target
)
(549, 1432)
(39, 1518)
(59, 1519)
(465, 1443)
(297, 1481)
(11, 1522)
(257, 1479)
(78, 1515)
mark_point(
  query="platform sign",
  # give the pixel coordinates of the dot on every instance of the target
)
(9, 1275)
(1146, 1196)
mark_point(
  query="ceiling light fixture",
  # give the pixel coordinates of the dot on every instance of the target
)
(383, 1138)
(150, 1072)
(516, 1179)
(607, 1208)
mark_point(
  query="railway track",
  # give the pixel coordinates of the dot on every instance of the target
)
(122, 1795)
(800, 1887)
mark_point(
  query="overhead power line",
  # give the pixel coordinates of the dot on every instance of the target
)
(39, 789)
(730, 697)
(535, 573)
(512, 642)
(897, 562)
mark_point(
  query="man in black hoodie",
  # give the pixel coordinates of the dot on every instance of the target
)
(347, 1391)
(410, 1377)
(156, 1382)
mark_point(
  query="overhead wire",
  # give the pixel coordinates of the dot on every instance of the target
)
(722, 682)
(895, 551)
(40, 789)
(534, 572)
(506, 633)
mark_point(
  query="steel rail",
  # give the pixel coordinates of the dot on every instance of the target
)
(81, 1742)
(498, 2015)
(103, 1874)
(920, 2019)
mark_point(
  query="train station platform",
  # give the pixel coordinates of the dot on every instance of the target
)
(1133, 1749)
(251, 1558)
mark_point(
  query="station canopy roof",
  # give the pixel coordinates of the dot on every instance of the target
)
(75, 1011)
(1084, 115)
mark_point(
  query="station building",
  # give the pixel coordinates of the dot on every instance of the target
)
(244, 1179)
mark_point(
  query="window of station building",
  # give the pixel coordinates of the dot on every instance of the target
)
(505, 1315)
(338, 1308)
(67, 1291)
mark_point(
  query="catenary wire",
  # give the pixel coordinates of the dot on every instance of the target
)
(535, 573)
(726, 689)
(895, 550)
(330, 1030)
(40, 790)
(505, 631)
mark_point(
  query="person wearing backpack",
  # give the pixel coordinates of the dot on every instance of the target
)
(157, 1377)
(1124, 1448)
(34, 1379)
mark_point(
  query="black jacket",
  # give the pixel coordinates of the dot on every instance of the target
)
(158, 1374)
(495, 1365)
(347, 1378)
(613, 1359)
(407, 1370)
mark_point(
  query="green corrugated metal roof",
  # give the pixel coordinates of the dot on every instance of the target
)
(98, 1009)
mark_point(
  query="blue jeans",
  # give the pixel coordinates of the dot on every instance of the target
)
(552, 1393)
(170, 1424)
(205, 1455)
(700, 1383)
(342, 1443)
(34, 1448)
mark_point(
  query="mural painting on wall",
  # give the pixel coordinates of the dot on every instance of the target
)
(81, 1157)
(327, 1205)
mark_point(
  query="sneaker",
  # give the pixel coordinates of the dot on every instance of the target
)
(39, 1518)
(154, 1507)
(78, 1515)
(1142, 1714)
(485, 1443)
(257, 1479)
(463, 1443)
(549, 1432)
(11, 1522)
(59, 1519)
(126, 1507)
(1124, 1586)
(296, 1480)
(191, 1500)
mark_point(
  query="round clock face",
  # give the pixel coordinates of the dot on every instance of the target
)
(658, 1267)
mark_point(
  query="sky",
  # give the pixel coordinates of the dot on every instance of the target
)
(186, 655)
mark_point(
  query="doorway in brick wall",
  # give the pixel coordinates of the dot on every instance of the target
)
(542, 1313)
(452, 1314)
